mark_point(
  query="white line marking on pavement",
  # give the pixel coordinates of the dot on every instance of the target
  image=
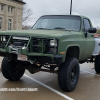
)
(48, 87)
(90, 73)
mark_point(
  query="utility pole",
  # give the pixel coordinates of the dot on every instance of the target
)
(71, 8)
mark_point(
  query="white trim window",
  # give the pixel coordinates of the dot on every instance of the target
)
(0, 23)
(10, 9)
(9, 24)
(1, 6)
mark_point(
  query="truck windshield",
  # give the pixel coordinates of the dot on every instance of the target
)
(70, 23)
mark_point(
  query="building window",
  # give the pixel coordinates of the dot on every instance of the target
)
(2, 7)
(10, 9)
(9, 24)
(0, 23)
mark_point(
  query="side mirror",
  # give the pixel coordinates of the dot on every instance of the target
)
(92, 30)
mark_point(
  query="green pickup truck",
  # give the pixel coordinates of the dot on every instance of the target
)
(55, 44)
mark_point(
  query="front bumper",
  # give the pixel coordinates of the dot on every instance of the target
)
(38, 57)
(57, 59)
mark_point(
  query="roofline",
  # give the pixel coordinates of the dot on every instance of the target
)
(19, 1)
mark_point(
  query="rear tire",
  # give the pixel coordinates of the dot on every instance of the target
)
(97, 64)
(10, 70)
(68, 74)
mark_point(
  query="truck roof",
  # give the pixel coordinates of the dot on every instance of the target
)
(67, 15)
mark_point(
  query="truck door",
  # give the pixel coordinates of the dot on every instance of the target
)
(88, 39)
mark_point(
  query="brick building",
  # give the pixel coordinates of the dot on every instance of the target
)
(11, 14)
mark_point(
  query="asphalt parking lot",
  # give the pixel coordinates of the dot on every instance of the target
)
(88, 87)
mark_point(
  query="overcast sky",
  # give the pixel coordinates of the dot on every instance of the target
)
(88, 8)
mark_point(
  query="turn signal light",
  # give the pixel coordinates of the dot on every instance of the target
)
(62, 53)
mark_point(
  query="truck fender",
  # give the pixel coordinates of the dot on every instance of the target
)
(72, 51)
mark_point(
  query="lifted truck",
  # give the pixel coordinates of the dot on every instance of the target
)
(56, 44)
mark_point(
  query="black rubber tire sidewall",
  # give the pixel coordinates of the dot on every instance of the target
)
(97, 64)
(7, 70)
(64, 79)
(4, 68)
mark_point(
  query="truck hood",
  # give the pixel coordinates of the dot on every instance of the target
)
(38, 33)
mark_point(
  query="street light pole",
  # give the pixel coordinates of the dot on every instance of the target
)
(71, 8)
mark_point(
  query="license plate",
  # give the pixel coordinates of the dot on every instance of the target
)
(22, 57)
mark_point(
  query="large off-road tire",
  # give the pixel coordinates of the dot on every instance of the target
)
(10, 71)
(68, 74)
(97, 64)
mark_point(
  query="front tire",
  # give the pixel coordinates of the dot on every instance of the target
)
(10, 70)
(68, 74)
(97, 64)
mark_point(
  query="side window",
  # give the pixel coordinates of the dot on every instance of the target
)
(86, 24)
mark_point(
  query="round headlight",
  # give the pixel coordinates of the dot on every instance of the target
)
(53, 42)
(4, 38)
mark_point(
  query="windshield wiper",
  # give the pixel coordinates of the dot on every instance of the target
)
(60, 28)
(43, 28)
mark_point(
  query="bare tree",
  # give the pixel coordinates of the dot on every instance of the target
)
(27, 14)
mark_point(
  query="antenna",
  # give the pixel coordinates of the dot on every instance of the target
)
(71, 8)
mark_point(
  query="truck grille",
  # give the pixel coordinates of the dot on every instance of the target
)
(39, 45)
(20, 39)
(23, 41)
(33, 44)
(3, 40)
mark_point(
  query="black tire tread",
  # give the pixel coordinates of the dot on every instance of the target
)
(4, 68)
(7, 70)
(97, 64)
(63, 74)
